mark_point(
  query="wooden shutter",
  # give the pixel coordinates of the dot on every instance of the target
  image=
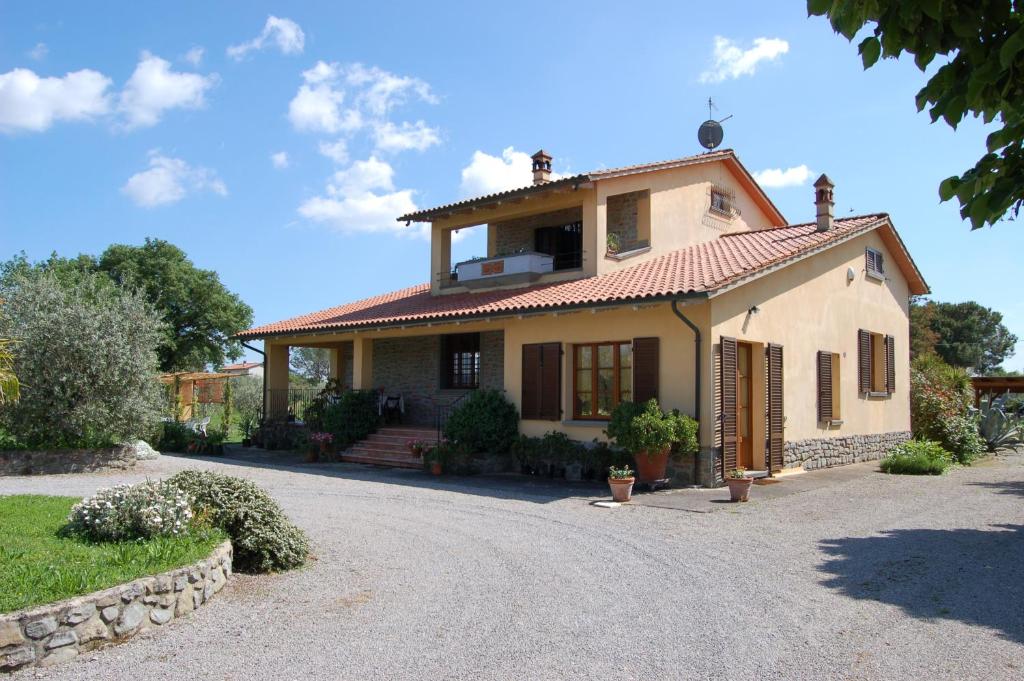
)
(542, 381)
(864, 360)
(890, 364)
(646, 363)
(728, 407)
(776, 411)
(825, 386)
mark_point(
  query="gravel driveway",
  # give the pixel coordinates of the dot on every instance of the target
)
(879, 577)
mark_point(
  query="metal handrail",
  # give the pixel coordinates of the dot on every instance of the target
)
(443, 411)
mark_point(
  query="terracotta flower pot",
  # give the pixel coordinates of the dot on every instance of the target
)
(622, 488)
(312, 456)
(435, 468)
(651, 467)
(739, 488)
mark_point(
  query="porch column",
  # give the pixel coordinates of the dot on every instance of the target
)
(277, 381)
(362, 363)
(337, 363)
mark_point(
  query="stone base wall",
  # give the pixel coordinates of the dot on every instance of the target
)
(837, 451)
(622, 212)
(25, 462)
(54, 633)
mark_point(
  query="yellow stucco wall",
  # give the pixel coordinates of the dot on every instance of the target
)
(811, 306)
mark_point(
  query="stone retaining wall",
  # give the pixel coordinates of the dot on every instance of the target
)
(54, 633)
(837, 451)
(25, 462)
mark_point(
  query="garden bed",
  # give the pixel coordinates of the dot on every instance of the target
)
(49, 462)
(150, 583)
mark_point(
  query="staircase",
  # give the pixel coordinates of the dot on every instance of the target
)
(389, 447)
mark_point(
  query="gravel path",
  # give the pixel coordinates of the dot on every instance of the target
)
(880, 577)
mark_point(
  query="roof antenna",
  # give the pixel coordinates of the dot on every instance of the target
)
(710, 133)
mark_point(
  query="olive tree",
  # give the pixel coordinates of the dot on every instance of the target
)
(86, 357)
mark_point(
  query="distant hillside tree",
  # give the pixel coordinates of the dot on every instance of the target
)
(312, 363)
(981, 43)
(965, 335)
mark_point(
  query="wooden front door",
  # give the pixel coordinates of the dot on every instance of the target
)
(744, 404)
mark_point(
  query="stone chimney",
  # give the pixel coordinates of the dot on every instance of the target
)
(541, 167)
(824, 203)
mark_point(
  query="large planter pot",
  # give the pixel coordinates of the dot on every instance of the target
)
(312, 455)
(435, 468)
(739, 488)
(651, 467)
(622, 488)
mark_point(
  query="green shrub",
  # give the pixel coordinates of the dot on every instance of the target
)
(350, 417)
(264, 539)
(941, 401)
(917, 457)
(174, 437)
(485, 422)
(9, 442)
(141, 511)
(646, 428)
(453, 457)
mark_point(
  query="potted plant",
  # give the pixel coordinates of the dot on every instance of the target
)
(739, 483)
(418, 447)
(433, 458)
(321, 444)
(648, 433)
(621, 480)
(613, 243)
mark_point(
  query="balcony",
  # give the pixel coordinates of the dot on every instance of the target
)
(520, 268)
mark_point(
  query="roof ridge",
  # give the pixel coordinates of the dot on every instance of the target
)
(805, 224)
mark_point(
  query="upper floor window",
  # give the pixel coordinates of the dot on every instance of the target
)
(874, 263)
(460, 360)
(721, 202)
(564, 242)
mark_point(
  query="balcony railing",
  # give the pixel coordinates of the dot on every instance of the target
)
(289, 404)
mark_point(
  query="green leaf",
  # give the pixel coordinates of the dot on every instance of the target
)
(870, 50)
(932, 8)
(947, 189)
(818, 7)
(1013, 45)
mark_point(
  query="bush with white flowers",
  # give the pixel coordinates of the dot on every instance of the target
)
(125, 512)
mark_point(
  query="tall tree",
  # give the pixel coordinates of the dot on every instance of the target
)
(965, 335)
(312, 363)
(201, 314)
(982, 42)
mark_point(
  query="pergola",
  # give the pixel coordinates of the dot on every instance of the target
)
(996, 385)
(196, 386)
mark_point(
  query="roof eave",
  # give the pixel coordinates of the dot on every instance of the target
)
(574, 182)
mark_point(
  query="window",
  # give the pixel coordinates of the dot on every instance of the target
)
(542, 381)
(602, 377)
(721, 202)
(564, 242)
(460, 361)
(874, 263)
(877, 370)
(828, 387)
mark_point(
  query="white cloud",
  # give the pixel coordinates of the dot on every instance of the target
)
(169, 180)
(154, 88)
(28, 102)
(730, 61)
(279, 159)
(285, 33)
(194, 56)
(363, 198)
(39, 52)
(488, 174)
(337, 151)
(783, 177)
(382, 90)
(394, 138)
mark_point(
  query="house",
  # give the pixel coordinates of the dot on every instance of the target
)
(244, 369)
(679, 280)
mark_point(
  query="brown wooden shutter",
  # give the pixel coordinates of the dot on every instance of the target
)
(825, 386)
(776, 410)
(728, 407)
(646, 363)
(864, 360)
(890, 364)
(542, 381)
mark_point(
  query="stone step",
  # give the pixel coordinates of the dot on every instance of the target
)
(386, 438)
(374, 448)
(408, 433)
(352, 456)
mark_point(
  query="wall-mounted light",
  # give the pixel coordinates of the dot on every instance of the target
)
(850, 274)
(754, 309)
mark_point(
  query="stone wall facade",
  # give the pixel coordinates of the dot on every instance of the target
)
(412, 367)
(837, 451)
(512, 236)
(58, 632)
(49, 462)
(623, 217)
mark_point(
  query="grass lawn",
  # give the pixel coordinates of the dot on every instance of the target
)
(37, 566)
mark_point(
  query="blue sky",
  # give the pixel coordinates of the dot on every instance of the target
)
(276, 142)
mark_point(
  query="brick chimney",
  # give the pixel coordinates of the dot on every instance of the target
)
(541, 167)
(824, 203)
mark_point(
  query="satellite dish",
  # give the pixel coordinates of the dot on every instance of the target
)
(710, 134)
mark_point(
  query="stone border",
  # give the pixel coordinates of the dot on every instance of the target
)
(841, 450)
(51, 634)
(49, 462)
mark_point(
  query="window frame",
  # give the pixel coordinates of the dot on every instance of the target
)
(453, 344)
(874, 263)
(726, 210)
(558, 238)
(616, 372)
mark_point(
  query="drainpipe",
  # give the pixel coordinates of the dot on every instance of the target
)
(263, 414)
(696, 384)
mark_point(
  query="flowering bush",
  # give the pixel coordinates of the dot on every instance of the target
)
(321, 438)
(418, 447)
(147, 509)
(941, 403)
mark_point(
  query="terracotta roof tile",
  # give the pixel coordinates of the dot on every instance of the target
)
(701, 268)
